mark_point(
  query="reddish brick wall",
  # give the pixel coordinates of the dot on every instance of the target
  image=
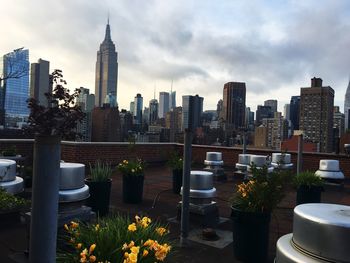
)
(159, 152)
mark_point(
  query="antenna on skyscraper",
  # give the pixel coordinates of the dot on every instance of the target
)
(108, 18)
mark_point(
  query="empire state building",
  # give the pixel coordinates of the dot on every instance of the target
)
(106, 78)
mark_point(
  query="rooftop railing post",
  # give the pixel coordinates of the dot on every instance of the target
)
(300, 154)
(186, 187)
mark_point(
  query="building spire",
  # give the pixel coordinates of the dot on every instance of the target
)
(108, 31)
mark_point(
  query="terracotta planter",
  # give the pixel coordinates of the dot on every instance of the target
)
(132, 189)
(99, 196)
(250, 235)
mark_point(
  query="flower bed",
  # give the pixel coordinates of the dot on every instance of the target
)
(116, 239)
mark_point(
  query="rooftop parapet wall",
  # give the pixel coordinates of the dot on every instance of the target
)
(153, 153)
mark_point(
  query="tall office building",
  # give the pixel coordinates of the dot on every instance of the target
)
(234, 104)
(286, 112)
(40, 81)
(172, 100)
(272, 104)
(106, 78)
(153, 111)
(347, 107)
(105, 124)
(338, 122)
(249, 118)
(173, 121)
(14, 92)
(87, 103)
(316, 114)
(132, 108)
(194, 103)
(263, 112)
(138, 102)
(294, 111)
(163, 104)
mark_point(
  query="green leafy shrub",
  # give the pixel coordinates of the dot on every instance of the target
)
(101, 172)
(132, 168)
(262, 192)
(175, 161)
(308, 179)
(9, 202)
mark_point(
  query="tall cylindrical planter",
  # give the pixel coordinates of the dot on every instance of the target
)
(46, 173)
(99, 196)
(132, 189)
(309, 194)
(177, 181)
(250, 235)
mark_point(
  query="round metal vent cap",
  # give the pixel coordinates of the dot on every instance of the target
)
(7, 170)
(72, 176)
(323, 229)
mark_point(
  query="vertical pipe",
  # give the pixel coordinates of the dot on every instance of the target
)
(300, 154)
(43, 225)
(244, 142)
(186, 187)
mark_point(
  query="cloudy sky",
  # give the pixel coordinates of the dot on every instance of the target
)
(276, 47)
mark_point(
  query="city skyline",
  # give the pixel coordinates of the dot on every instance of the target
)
(275, 49)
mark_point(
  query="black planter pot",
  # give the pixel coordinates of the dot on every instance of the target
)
(132, 189)
(177, 181)
(306, 194)
(99, 196)
(250, 235)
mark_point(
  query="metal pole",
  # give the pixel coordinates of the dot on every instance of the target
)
(300, 154)
(186, 188)
(43, 225)
(244, 143)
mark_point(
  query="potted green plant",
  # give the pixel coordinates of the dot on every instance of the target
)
(10, 151)
(252, 205)
(99, 182)
(309, 187)
(115, 239)
(11, 206)
(133, 179)
(175, 162)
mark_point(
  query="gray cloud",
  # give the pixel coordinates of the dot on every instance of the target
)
(274, 48)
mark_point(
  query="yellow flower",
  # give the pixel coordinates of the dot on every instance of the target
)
(137, 218)
(149, 243)
(74, 224)
(132, 258)
(135, 250)
(125, 246)
(97, 227)
(79, 246)
(66, 227)
(92, 248)
(126, 255)
(92, 258)
(145, 253)
(145, 221)
(161, 231)
(132, 227)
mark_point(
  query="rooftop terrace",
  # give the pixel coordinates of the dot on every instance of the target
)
(13, 237)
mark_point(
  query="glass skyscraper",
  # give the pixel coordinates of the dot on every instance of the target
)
(15, 90)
